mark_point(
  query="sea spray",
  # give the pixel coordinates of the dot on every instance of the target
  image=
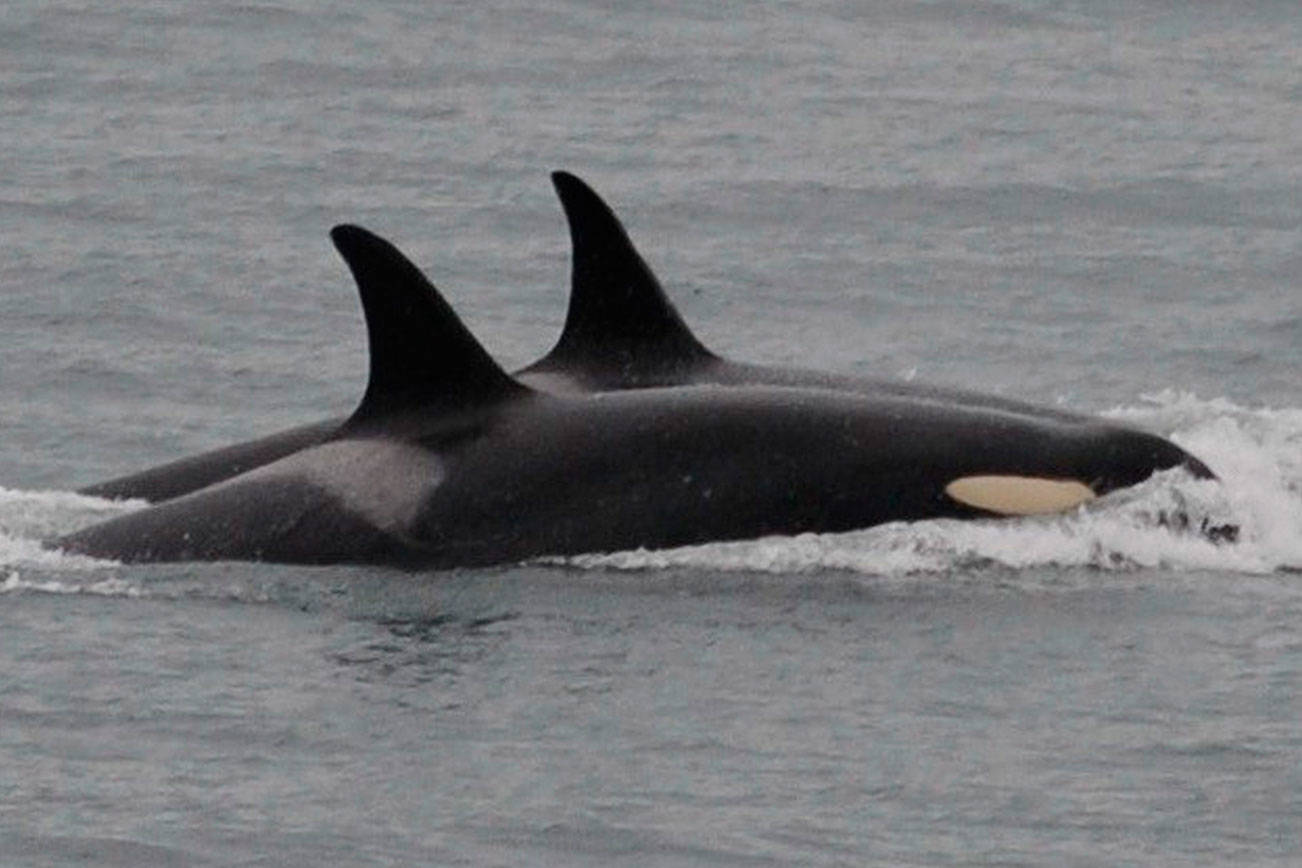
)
(27, 517)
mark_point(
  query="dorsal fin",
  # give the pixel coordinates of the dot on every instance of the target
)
(619, 315)
(422, 356)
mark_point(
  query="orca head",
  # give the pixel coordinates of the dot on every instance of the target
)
(1134, 456)
(1128, 457)
(1104, 461)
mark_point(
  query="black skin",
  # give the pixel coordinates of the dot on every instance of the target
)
(539, 475)
(449, 461)
(621, 332)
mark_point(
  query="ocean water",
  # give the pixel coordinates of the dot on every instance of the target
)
(1096, 205)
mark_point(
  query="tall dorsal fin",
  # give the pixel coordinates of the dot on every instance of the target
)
(619, 315)
(422, 356)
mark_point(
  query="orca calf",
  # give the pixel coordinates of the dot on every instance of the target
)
(621, 332)
(449, 461)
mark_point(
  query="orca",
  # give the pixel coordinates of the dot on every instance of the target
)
(449, 461)
(621, 332)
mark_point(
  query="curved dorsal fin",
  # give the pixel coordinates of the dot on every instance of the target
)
(619, 315)
(422, 356)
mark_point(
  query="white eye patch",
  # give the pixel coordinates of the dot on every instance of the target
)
(1019, 495)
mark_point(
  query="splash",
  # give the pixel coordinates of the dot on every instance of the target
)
(109, 587)
(1256, 452)
(26, 517)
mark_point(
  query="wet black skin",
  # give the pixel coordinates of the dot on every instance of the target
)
(449, 461)
(542, 475)
(621, 332)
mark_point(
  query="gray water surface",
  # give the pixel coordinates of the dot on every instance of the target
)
(1095, 205)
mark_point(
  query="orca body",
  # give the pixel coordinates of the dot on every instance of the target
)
(621, 332)
(450, 461)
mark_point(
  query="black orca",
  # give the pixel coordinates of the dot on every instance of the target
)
(621, 332)
(450, 461)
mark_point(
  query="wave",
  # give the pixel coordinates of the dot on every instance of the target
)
(109, 587)
(27, 517)
(1257, 452)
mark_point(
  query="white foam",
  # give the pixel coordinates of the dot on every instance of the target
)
(39, 514)
(1256, 452)
(110, 587)
(27, 517)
